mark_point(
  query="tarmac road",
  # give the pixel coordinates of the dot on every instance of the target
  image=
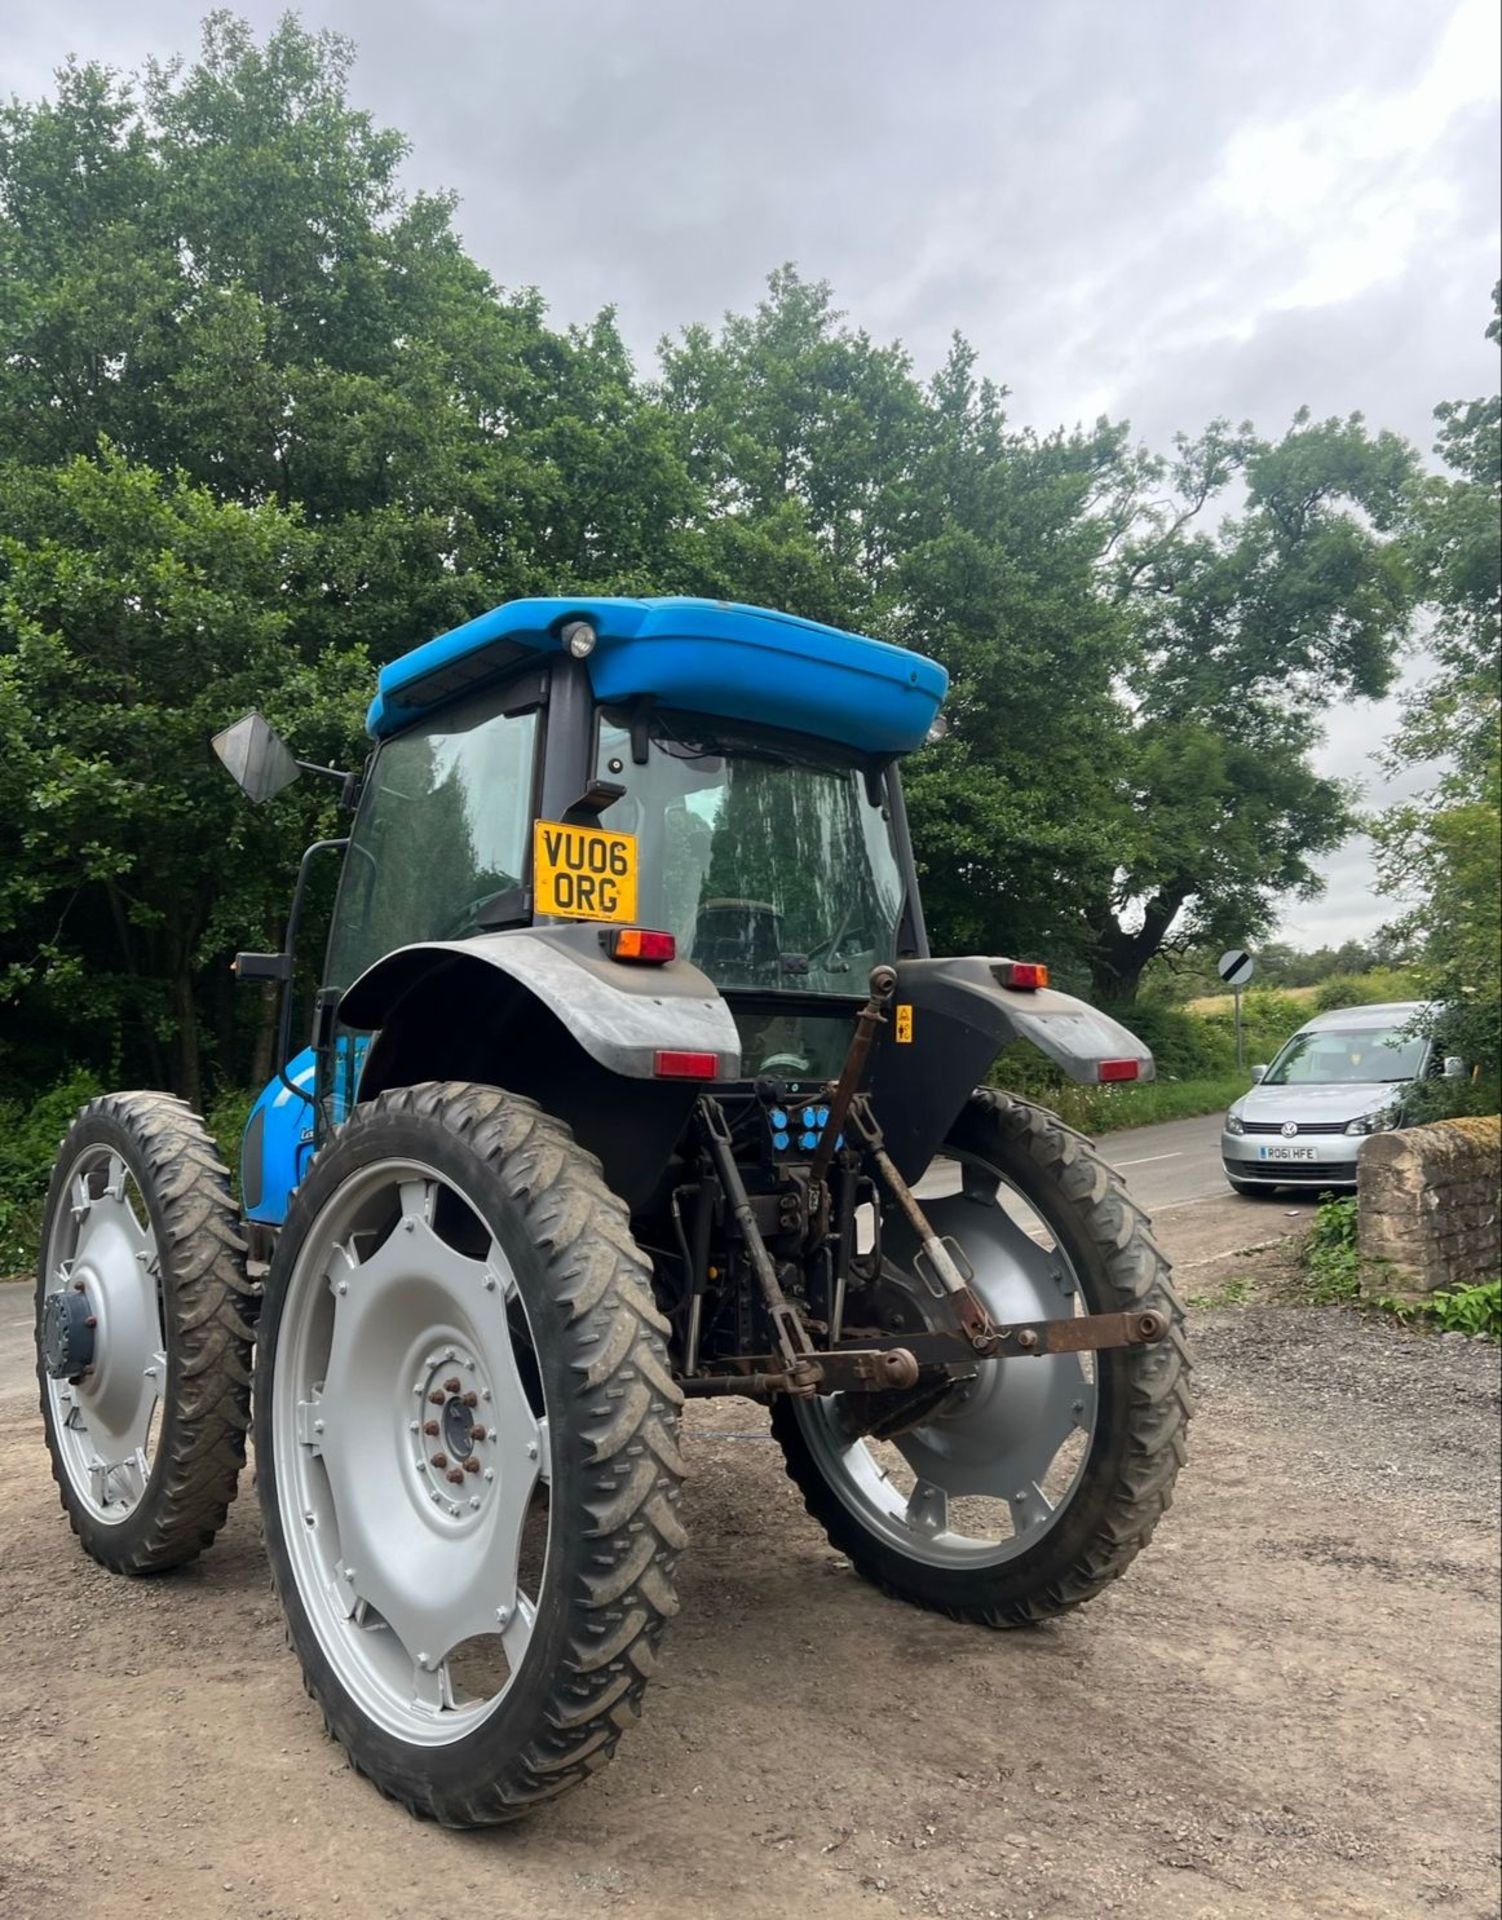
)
(1172, 1165)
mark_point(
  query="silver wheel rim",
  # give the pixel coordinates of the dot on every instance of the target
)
(994, 1471)
(105, 1423)
(406, 1545)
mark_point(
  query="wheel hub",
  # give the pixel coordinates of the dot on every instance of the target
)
(101, 1336)
(68, 1327)
(454, 1449)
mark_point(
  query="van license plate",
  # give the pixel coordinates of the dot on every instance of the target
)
(1286, 1153)
(583, 873)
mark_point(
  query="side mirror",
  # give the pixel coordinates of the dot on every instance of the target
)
(258, 760)
(1259, 1073)
(1455, 1068)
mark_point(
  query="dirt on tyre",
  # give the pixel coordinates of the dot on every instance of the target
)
(145, 1323)
(1031, 1487)
(466, 1439)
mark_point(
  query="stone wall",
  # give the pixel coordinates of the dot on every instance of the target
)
(1429, 1206)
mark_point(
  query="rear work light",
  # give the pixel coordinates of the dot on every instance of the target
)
(1025, 975)
(1119, 1069)
(671, 1064)
(639, 945)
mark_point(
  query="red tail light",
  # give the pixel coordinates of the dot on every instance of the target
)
(1025, 975)
(1119, 1069)
(671, 1064)
(640, 945)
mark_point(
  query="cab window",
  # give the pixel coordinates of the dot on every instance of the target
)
(441, 835)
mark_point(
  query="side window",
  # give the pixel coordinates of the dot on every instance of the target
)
(442, 833)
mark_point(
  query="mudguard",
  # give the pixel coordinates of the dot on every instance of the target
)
(958, 1018)
(621, 1015)
(545, 1013)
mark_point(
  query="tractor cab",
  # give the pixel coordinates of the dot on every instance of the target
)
(719, 775)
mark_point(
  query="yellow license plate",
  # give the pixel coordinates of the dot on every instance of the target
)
(583, 873)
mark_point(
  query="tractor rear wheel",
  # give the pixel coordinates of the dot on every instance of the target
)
(145, 1322)
(1033, 1485)
(466, 1435)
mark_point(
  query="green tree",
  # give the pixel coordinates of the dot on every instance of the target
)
(1443, 851)
(1246, 635)
(137, 615)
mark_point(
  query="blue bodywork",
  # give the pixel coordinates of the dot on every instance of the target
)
(278, 1139)
(701, 656)
(278, 1143)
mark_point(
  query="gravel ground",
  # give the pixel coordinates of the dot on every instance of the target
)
(1289, 1707)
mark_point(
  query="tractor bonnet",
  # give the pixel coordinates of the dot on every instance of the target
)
(699, 656)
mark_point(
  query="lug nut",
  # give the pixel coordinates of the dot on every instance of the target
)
(471, 1465)
(431, 1428)
(435, 1399)
(470, 1400)
(451, 1386)
(92, 1320)
(440, 1460)
(78, 1286)
(477, 1433)
(455, 1475)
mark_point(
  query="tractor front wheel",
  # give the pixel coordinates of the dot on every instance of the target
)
(1036, 1482)
(144, 1330)
(466, 1435)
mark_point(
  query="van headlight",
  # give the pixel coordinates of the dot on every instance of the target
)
(1382, 1122)
(1233, 1123)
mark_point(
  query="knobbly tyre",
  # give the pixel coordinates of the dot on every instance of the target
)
(631, 1078)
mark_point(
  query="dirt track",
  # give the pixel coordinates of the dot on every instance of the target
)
(1289, 1707)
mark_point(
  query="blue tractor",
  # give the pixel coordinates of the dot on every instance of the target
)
(631, 1079)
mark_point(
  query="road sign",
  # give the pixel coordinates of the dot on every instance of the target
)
(1236, 967)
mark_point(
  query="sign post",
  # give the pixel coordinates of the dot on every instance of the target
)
(1236, 968)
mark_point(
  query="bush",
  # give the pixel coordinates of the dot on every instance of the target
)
(1365, 989)
(29, 1136)
(1267, 1020)
(1452, 1100)
(1473, 1310)
(226, 1120)
(1332, 1259)
(1185, 1046)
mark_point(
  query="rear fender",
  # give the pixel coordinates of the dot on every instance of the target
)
(960, 1018)
(542, 1011)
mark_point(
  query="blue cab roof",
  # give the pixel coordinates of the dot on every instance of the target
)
(701, 656)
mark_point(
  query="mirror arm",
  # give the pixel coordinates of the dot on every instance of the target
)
(280, 965)
(349, 782)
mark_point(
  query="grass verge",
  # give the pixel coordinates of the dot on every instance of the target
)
(1109, 1109)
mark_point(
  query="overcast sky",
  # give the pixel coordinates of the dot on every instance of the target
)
(1163, 210)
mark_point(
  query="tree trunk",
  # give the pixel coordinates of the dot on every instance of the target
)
(1121, 958)
(187, 1066)
(263, 1060)
(158, 1064)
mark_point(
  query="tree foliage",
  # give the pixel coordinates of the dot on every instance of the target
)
(1443, 851)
